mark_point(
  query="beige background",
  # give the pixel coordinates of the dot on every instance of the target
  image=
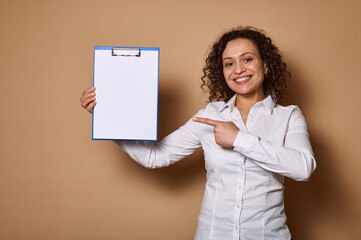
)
(56, 183)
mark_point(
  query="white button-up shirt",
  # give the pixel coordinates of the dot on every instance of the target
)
(243, 196)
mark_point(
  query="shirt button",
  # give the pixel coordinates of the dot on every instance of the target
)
(238, 206)
(241, 167)
(236, 227)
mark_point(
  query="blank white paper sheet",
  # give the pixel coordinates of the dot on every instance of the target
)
(126, 82)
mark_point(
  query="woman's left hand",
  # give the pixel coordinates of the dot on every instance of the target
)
(224, 132)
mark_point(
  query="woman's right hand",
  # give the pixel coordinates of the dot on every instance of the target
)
(88, 99)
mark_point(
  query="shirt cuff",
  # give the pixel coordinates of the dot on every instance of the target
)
(244, 141)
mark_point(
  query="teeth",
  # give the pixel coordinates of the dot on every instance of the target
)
(243, 79)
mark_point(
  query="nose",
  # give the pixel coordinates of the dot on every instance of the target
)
(239, 68)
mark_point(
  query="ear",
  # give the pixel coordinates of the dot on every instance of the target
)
(265, 68)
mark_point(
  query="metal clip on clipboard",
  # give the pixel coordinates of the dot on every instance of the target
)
(126, 52)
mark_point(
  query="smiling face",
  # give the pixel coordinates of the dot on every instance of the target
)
(243, 68)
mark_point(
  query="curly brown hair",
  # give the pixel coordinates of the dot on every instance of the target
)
(275, 81)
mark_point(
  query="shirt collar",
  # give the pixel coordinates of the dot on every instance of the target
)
(267, 102)
(230, 104)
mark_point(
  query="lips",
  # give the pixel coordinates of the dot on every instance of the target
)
(243, 79)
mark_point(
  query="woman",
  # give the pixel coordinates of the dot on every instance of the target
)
(250, 142)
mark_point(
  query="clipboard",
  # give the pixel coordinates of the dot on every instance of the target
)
(126, 81)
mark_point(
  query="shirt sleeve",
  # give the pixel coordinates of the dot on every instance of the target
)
(171, 149)
(293, 159)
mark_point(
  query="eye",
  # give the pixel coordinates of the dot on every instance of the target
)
(228, 64)
(249, 59)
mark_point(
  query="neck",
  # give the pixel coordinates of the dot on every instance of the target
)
(245, 102)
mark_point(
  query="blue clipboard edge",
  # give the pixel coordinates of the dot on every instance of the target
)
(142, 49)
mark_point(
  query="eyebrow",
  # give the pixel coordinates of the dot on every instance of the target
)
(239, 55)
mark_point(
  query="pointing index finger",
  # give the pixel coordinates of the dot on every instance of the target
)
(205, 121)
